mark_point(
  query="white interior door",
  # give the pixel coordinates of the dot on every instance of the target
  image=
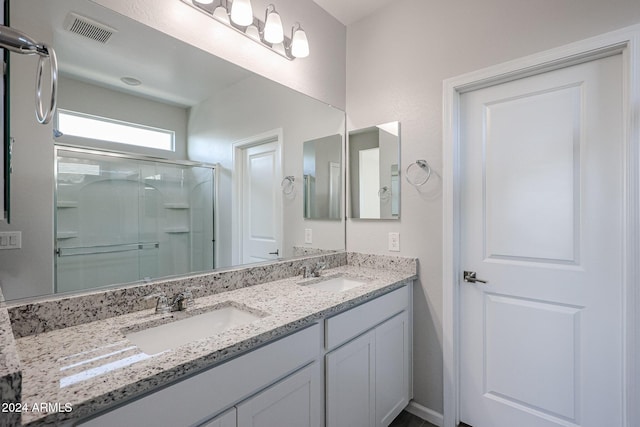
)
(261, 203)
(541, 220)
(335, 192)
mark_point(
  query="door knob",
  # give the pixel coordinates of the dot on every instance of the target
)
(470, 277)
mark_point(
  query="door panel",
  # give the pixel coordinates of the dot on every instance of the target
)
(537, 360)
(294, 401)
(392, 368)
(351, 383)
(532, 162)
(541, 203)
(262, 210)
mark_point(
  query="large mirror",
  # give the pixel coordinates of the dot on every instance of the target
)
(198, 184)
(323, 178)
(374, 172)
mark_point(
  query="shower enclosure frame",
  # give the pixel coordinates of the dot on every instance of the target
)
(129, 156)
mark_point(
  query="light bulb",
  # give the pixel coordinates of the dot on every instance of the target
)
(273, 32)
(253, 32)
(220, 13)
(299, 44)
(241, 12)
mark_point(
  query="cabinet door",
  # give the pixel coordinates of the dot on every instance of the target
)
(351, 383)
(227, 419)
(294, 401)
(392, 368)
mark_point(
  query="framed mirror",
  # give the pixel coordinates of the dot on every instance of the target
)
(322, 160)
(374, 172)
(85, 202)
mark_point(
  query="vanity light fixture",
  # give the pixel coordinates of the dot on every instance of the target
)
(299, 42)
(238, 14)
(242, 12)
(273, 31)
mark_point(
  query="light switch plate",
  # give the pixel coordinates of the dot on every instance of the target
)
(308, 236)
(394, 242)
(10, 240)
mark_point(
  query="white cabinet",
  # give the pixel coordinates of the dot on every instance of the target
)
(227, 419)
(294, 401)
(351, 383)
(368, 379)
(197, 398)
(392, 368)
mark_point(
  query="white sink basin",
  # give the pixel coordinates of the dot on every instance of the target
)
(336, 284)
(171, 335)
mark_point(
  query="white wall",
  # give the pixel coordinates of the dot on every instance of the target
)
(321, 75)
(397, 59)
(29, 271)
(237, 114)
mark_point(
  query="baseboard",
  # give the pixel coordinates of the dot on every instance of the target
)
(426, 414)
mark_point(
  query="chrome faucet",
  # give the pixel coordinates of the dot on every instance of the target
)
(162, 302)
(181, 302)
(318, 268)
(308, 271)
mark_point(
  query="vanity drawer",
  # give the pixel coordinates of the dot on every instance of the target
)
(348, 325)
(195, 399)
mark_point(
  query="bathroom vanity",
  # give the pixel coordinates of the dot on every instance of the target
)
(291, 351)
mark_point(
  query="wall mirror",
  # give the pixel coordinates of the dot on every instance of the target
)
(198, 186)
(322, 159)
(374, 177)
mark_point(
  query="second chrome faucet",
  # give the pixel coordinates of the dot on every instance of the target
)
(181, 302)
(308, 271)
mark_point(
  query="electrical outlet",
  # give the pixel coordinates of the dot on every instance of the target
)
(308, 236)
(394, 242)
(10, 240)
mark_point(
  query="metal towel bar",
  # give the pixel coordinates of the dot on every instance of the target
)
(106, 249)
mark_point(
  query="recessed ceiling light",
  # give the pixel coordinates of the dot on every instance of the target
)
(131, 81)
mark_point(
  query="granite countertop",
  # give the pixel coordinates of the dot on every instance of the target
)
(93, 366)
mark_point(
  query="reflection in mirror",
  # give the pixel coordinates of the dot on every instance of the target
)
(155, 209)
(322, 177)
(374, 172)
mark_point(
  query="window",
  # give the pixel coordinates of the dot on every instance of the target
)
(104, 129)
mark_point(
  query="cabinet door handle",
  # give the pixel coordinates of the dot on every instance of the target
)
(276, 253)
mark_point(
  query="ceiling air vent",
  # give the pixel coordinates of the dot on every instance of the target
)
(87, 27)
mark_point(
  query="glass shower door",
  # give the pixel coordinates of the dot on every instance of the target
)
(97, 232)
(120, 220)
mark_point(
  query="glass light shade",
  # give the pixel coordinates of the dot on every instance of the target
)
(273, 32)
(220, 13)
(279, 47)
(299, 44)
(252, 31)
(241, 12)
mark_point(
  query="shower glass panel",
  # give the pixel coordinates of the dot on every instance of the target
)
(121, 219)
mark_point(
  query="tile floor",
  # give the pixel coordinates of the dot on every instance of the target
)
(406, 419)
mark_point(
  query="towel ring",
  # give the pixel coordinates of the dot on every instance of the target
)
(45, 113)
(418, 173)
(287, 184)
